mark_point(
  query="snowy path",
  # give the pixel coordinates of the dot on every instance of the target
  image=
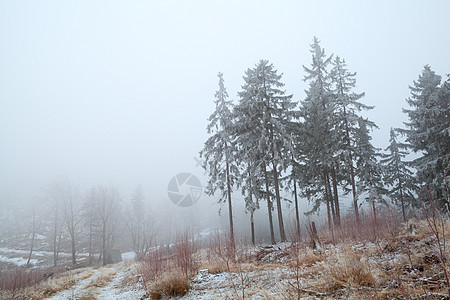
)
(76, 291)
(114, 290)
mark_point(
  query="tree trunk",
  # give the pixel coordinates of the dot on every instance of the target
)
(375, 218)
(31, 249)
(352, 171)
(230, 208)
(32, 238)
(330, 215)
(104, 243)
(252, 221)
(330, 196)
(400, 187)
(279, 210)
(269, 207)
(74, 257)
(330, 226)
(55, 235)
(297, 217)
(355, 196)
(336, 197)
(90, 243)
(252, 227)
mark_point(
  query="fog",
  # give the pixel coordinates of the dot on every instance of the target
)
(119, 92)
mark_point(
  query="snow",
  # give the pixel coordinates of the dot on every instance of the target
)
(227, 285)
(18, 261)
(129, 255)
(39, 253)
(77, 289)
(114, 291)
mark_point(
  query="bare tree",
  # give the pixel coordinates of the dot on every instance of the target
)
(72, 214)
(107, 206)
(91, 222)
(55, 197)
(35, 225)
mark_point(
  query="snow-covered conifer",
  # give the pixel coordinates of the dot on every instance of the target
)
(219, 151)
(397, 176)
(428, 130)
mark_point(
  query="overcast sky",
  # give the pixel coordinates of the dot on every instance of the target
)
(120, 91)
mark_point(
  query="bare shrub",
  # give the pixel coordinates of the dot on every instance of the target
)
(221, 247)
(386, 224)
(436, 224)
(152, 265)
(184, 250)
(16, 279)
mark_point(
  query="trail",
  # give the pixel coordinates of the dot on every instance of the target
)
(116, 289)
(76, 291)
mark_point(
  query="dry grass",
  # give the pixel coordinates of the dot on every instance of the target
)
(134, 276)
(349, 273)
(49, 287)
(309, 257)
(171, 284)
(103, 279)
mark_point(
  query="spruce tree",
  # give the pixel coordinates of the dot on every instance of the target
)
(253, 156)
(368, 169)
(397, 176)
(219, 152)
(347, 107)
(320, 139)
(428, 131)
(263, 97)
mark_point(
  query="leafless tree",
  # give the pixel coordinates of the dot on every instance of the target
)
(72, 214)
(55, 197)
(35, 225)
(107, 206)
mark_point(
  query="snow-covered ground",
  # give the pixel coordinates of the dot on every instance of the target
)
(76, 291)
(39, 253)
(115, 290)
(18, 261)
(129, 256)
(114, 287)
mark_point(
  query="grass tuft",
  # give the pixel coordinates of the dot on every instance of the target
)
(172, 285)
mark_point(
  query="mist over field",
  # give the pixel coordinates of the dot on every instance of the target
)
(127, 126)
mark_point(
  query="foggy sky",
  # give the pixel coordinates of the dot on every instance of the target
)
(119, 92)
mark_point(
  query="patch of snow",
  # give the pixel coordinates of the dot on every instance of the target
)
(39, 253)
(18, 261)
(129, 255)
(75, 291)
(114, 291)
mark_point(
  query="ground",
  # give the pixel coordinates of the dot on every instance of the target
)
(401, 264)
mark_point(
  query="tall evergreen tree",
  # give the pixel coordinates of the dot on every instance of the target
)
(428, 130)
(219, 152)
(347, 107)
(320, 139)
(263, 95)
(137, 222)
(368, 168)
(253, 155)
(397, 176)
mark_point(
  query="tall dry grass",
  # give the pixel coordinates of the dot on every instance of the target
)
(167, 273)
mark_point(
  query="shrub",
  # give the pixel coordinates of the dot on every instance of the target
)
(173, 284)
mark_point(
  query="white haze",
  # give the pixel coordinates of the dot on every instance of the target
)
(119, 92)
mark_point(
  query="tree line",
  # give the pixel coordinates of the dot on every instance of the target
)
(319, 148)
(94, 222)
